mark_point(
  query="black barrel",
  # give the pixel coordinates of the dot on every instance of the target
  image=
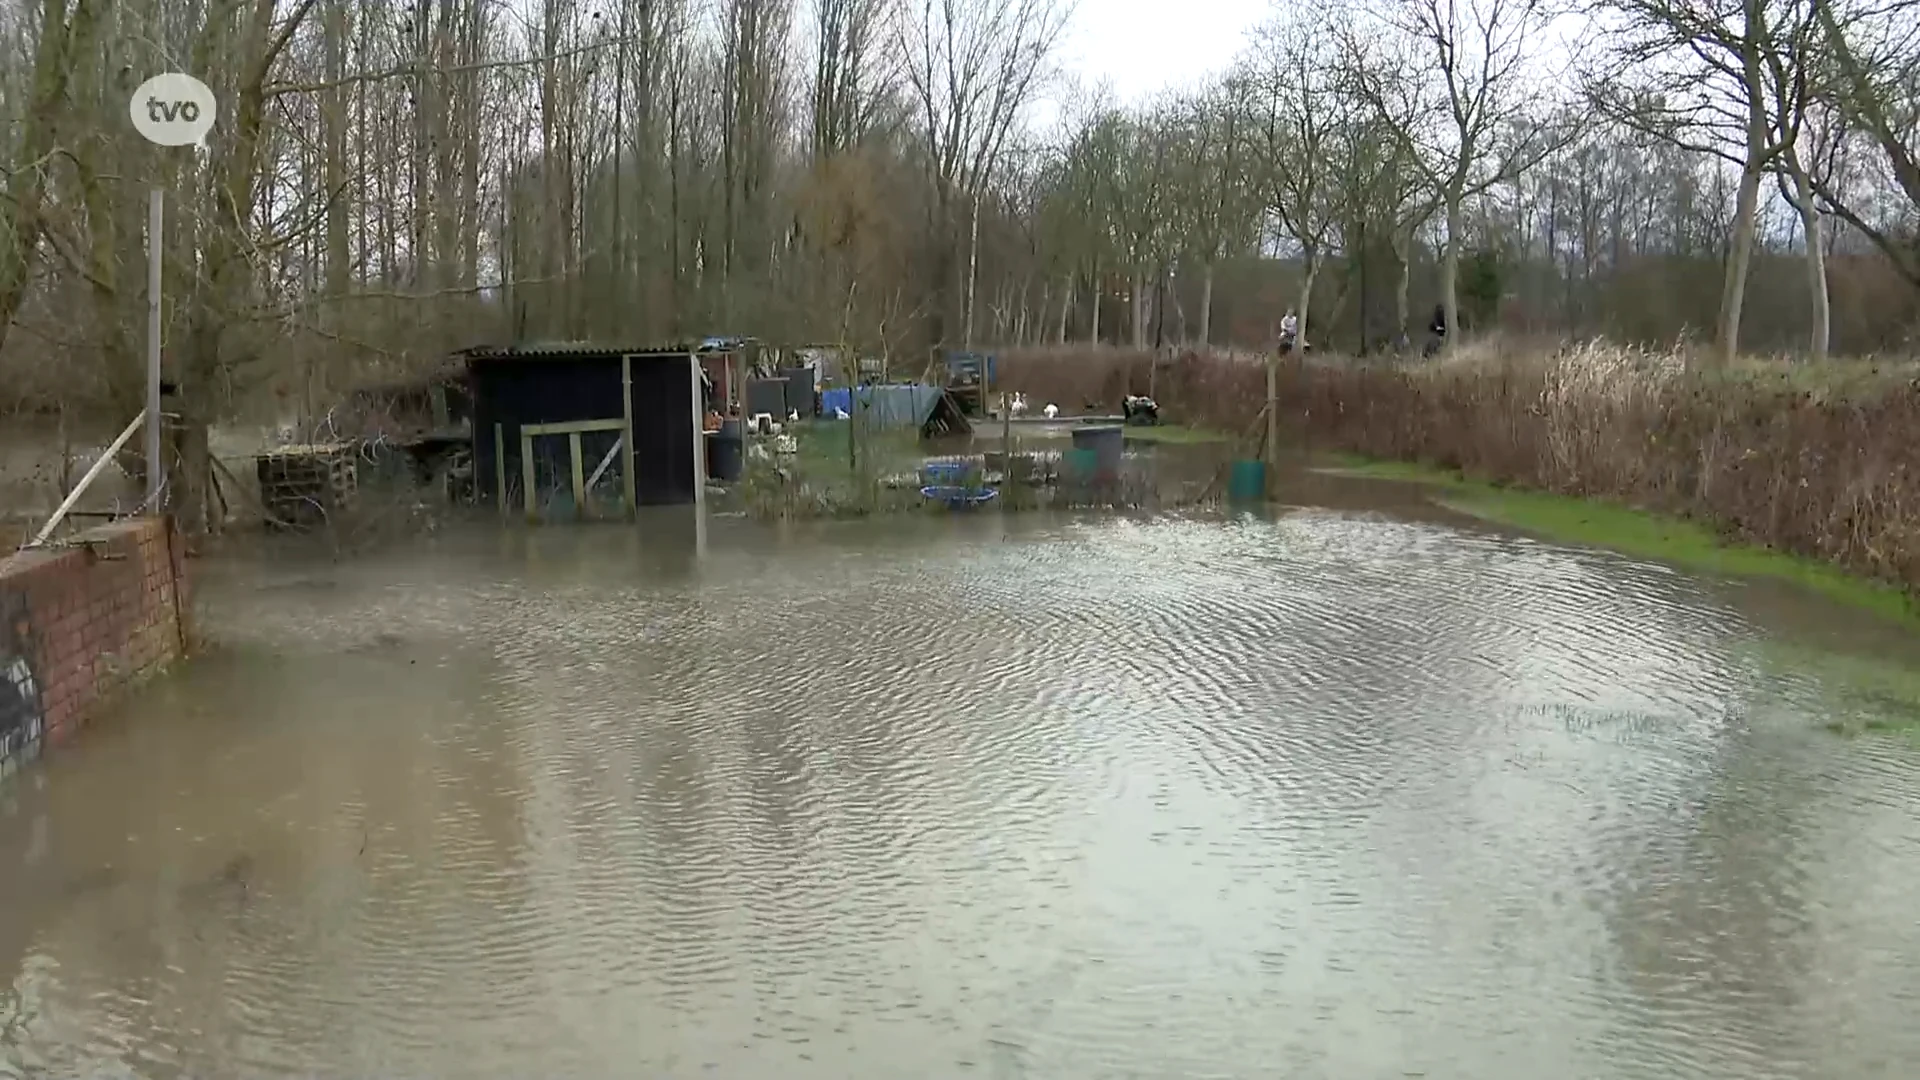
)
(726, 452)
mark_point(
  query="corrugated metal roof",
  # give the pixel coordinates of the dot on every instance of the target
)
(538, 350)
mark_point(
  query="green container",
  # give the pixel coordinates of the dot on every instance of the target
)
(1080, 465)
(1247, 481)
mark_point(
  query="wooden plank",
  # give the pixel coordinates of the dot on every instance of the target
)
(579, 474)
(79, 489)
(606, 462)
(571, 427)
(628, 482)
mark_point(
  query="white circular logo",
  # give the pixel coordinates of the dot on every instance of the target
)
(174, 109)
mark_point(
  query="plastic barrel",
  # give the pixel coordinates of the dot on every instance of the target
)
(1247, 481)
(1078, 466)
(1107, 442)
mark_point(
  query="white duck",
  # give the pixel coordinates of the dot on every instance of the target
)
(1018, 406)
(1051, 410)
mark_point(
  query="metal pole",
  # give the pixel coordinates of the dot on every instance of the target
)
(156, 478)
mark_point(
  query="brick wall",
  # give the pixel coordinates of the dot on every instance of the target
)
(83, 623)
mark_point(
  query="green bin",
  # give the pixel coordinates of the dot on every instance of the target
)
(1247, 481)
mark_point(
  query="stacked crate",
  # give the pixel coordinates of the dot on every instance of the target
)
(304, 486)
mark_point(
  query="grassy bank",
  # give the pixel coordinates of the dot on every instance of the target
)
(1860, 694)
(1636, 532)
(1863, 694)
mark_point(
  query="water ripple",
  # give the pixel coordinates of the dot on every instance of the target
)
(1084, 798)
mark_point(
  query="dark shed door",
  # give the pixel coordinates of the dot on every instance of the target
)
(535, 391)
(666, 430)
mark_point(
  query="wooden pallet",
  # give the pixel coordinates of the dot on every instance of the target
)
(303, 486)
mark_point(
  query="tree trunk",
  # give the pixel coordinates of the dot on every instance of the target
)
(1137, 308)
(1306, 299)
(1450, 272)
(333, 122)
(228, 289)
(1066, 308)
(1746, 215)
(1820, 325)
(1206, 305)
(1402, 281)
(1093, 328)
(1739, 257)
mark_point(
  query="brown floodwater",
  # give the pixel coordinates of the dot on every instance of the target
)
(1334, 793)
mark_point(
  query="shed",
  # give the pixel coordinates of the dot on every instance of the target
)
(726, 360)
(931, 409)
(587, 429)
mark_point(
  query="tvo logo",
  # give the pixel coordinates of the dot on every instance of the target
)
(159, 112)
(174, 109)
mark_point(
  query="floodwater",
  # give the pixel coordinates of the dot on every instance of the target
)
(1333, 794)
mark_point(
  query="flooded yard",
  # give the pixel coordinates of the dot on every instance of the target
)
(1354, 790)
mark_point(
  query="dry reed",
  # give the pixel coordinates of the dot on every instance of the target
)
(1818, 461)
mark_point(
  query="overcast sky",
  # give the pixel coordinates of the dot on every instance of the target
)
(1143, 46)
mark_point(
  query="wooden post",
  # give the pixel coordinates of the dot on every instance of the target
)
(627, 481)
(699, 433)
(579, 474)
(526, 475)
(1273, 416)
(500, 465)
(1006, 445)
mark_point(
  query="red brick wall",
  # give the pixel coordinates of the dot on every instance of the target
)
(83, 623)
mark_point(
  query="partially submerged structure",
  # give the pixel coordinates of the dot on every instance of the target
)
(301, 487)
(427, 404)
(930, 409)
(969, 375)
(420, 425)
(576, 429)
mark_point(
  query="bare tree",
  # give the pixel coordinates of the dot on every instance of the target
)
(1697, 76)
(1872, 56)
(973, 66)
(854, 70)
(66, 33)
(1484, 114)
(1306, 129)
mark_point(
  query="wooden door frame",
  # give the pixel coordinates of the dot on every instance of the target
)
(572, 429)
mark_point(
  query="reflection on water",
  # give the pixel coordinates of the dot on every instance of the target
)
(1336, 795)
